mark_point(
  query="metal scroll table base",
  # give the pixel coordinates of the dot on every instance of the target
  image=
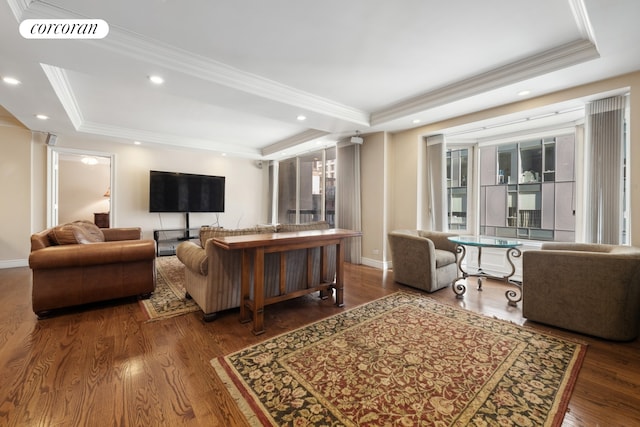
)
(514, 296)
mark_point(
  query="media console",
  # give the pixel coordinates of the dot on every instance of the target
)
(168, 239)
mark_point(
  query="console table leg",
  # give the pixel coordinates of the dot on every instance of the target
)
(244, 286)
(340, 274)
(258, 291)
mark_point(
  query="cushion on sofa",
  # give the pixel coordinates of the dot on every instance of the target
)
(76, 232)
(91, 231)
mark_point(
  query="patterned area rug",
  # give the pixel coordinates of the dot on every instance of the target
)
(168, 300)
(405, 360)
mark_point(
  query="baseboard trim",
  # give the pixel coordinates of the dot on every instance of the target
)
(381, 265)
(12, 263)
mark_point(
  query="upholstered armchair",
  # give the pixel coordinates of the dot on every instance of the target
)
(586, 288)
(423, 259)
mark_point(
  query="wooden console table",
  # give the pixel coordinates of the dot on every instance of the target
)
(254, 246)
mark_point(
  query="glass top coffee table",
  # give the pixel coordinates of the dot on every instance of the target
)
(512, 251)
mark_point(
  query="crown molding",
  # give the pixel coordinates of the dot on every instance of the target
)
(560, 57)
(162, 54)
(164, 139)
(300, 138)
(582, 20)
(61, 86)
(18, 7)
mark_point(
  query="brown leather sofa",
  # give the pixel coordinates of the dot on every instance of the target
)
(78, 263)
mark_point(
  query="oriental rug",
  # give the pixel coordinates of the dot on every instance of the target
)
(168, 299)
(407, 360)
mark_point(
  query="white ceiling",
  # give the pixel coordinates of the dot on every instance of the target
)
(238, 73)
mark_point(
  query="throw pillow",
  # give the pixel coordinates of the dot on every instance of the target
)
(91, 231)
(68, 234)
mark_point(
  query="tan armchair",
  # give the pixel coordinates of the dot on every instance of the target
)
(586, 288)
(423, 259)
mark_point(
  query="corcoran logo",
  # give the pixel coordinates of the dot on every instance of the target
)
(64, 29)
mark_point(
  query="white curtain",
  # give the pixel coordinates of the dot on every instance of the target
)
(604, 139)
(348, 205)
(436, 183)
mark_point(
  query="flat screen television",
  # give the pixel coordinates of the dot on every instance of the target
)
(185, 192)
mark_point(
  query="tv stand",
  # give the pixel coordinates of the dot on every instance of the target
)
(168, 239)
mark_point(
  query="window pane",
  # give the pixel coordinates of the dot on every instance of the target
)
(311, 177)
(306, 188)
(330, 187)
(457, 165)
(537, 204)
(287, 191)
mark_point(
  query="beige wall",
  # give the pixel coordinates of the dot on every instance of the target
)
(81, 189)
(24, 161)
(409, 159)
(15, 194)
(375, 198)
(245, 193)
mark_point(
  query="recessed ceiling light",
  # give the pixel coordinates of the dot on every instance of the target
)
(524, 92)
(137, 143)
(42, 117)
(156, 79)
(301, 118)
(11, 80)
(224, 154)
(416, 121)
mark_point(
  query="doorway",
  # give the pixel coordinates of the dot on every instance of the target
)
(80, 186)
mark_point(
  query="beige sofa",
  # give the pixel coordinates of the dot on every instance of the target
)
(212, 274)
(79, 263)
(586, 288)
(423, 259)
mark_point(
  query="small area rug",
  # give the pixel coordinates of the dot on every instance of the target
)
(168, 300)
(405, 359)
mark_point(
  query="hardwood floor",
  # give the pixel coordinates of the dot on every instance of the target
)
(105, 365)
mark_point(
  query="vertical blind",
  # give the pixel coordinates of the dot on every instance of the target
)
(348, 202)
(605, 150)
(436, 183)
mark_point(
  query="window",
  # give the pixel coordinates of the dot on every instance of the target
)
(457, 174)
(306, 188)
(522, 195)
(527, 188)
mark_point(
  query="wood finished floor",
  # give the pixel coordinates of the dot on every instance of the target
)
(106, 366)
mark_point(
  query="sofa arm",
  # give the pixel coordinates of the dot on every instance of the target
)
(193, 257)
(128, 233)
(80, 255)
